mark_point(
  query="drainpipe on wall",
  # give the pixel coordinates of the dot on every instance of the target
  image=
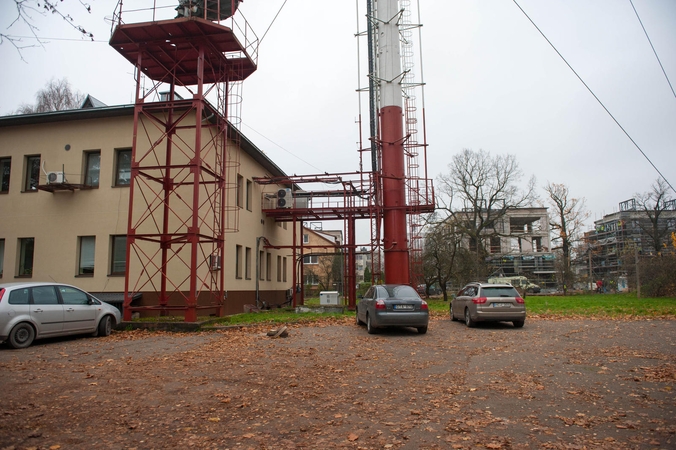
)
(258, 267)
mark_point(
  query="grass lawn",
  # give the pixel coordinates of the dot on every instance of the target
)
(282, 316)
(597, 305)
(602, 305)
(592, 305)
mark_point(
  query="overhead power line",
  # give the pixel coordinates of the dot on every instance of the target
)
(653, 47)
(42, 38)
(594, 95)
(273, 21)
(287, 151)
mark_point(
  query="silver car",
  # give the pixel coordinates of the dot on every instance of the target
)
(35, 310)
(392, 305)
(483, 302)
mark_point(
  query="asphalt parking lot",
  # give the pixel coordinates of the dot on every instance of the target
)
(552, 384)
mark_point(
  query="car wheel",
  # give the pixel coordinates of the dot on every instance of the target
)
(453, 319)
(370, 328)
(422, 330)
(105, 326)
(356, 314)
(468, 319)
(518, 323)
(21, 336)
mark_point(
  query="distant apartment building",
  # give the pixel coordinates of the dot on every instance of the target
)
(519, 244)
(322, 261)
(363, 261)
(621, 237)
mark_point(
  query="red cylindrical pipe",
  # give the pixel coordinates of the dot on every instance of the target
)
(395, 231)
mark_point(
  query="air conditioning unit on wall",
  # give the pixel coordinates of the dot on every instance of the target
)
(284, 198)
(55, 178)
(214, 262)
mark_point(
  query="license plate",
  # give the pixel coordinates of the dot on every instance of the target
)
(501, 305)
(403, 307)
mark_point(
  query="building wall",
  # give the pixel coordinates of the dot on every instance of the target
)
(57, 220)
(254, 224)
(318, 270)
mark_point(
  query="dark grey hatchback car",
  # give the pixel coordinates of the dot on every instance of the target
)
(484, 302)
(392, 305)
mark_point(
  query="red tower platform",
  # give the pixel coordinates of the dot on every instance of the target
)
(182, 157)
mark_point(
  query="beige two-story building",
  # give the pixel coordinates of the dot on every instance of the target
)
(64, 206)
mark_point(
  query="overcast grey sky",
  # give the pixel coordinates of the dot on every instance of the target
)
(493, 83)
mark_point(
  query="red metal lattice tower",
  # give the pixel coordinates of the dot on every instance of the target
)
(181, 153)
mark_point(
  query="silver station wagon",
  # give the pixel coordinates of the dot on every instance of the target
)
(484, 302)
(35, 310)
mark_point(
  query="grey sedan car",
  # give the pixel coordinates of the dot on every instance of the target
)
(392, 305)
(483, 302)
(35, 310)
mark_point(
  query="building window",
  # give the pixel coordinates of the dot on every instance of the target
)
(284, 269)
(118, 252)
(240, 190)
(123, 167)
(32, 173)
(2, 256)
(86, 264)
(311, 279)
(247, 263)
(312, 259)
(537, 244)
(268, 266)
(238, 261)
(260, 265)
(495, 245)
(306, 238)
(279, 268)
(5, 169)
(249, 188)
(92, 168)
(26, 249)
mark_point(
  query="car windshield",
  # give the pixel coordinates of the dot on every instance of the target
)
(499, 292)
(401, 292)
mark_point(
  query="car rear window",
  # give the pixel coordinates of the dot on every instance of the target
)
(401, 292)
(499, 292)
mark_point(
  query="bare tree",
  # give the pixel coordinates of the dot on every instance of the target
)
(654, 204)
(57, 95)
(566, 222)
(25, 12)
(439, 254)
(478, 190)
(445, 260)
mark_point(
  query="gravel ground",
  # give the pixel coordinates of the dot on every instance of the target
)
(555, 384)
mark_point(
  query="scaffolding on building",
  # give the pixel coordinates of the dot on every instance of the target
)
(624, 236)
